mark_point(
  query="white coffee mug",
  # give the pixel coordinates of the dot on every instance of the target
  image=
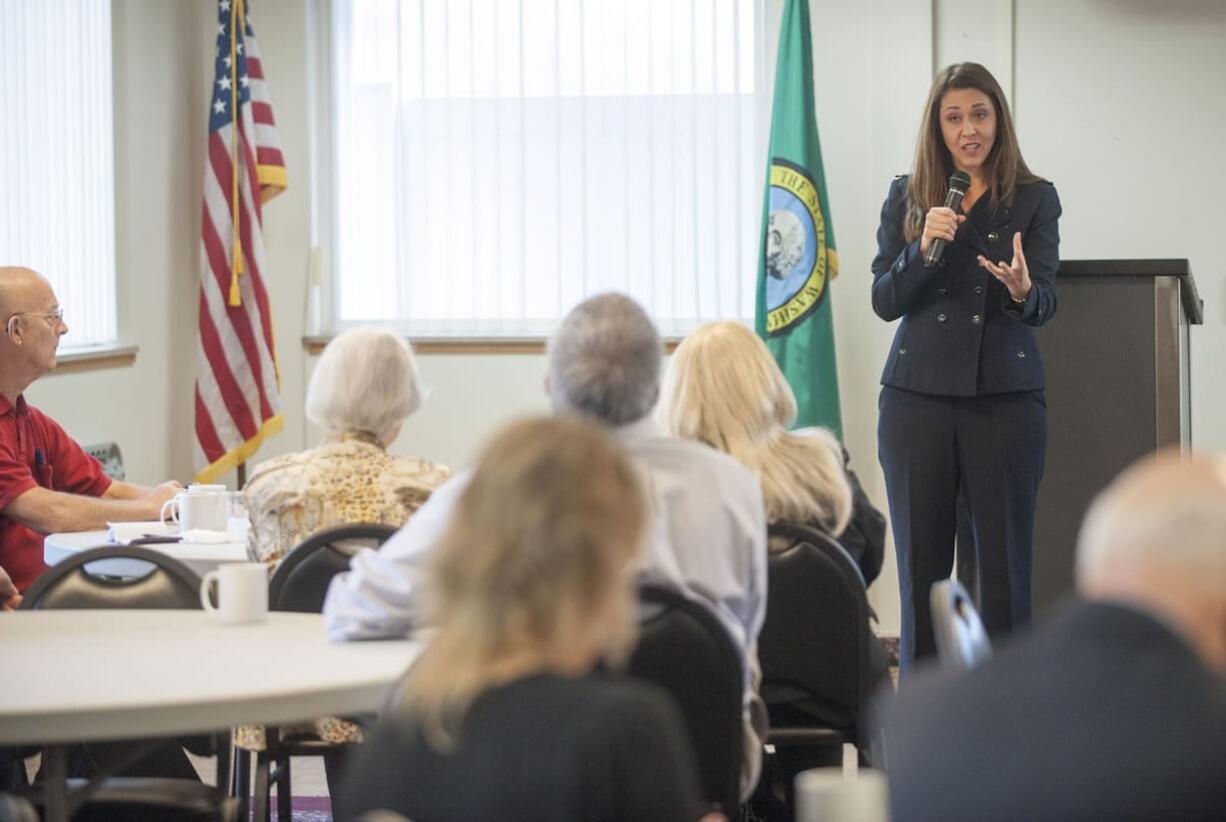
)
(242, 592)
(829, 795)
(199, 507)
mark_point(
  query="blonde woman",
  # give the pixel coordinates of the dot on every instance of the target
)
(364, 387)
(723, 388)
(529, 588)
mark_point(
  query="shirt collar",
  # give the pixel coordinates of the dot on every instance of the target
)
(7, 407)
(641, 429)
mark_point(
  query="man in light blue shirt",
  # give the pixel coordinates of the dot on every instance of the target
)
(707, 537)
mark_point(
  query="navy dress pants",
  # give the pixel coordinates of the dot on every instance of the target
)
(989, 450)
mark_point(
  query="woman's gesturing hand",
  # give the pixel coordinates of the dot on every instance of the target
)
(1014, 276)
(940, 224)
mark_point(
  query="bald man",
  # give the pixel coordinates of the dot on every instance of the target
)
(47, 483)
(1114, 710)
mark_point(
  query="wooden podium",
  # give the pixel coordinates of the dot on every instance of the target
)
(1116, 356)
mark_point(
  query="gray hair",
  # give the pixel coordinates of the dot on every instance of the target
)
(604, 360)
(365, 380)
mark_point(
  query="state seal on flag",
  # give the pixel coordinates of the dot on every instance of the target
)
(797, 259)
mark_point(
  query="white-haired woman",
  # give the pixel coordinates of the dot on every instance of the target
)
(724, 388)
(364, 387)
(531, 586)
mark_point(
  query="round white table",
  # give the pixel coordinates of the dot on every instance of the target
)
(92, 675)
(81, 675)
(200, 557)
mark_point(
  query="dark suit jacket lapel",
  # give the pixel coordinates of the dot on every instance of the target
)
(989, 231)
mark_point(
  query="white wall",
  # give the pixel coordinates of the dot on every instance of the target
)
(1117, 101)
(160, 87)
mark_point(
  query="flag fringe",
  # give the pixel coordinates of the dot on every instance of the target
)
(232, 458)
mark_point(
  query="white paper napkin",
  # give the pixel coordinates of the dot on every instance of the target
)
(123, 533)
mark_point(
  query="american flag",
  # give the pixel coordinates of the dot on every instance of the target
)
(237, 383)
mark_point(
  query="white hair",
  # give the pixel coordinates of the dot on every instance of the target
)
(604, 360)
(365, 380)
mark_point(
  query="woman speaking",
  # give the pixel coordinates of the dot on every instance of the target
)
(962, 410)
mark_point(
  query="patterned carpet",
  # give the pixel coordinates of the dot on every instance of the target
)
(309, 809)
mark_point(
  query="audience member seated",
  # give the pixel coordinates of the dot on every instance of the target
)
(1116, 708)
(707, 536)
(723, 388)
(364, 387)
(47, 483)
(499, 718)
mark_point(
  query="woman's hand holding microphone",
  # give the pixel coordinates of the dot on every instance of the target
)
(942, 223)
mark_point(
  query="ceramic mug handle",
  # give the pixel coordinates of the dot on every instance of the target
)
(174, 514)
(206, 583)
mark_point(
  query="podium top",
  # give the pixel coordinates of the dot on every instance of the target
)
(1193, 306)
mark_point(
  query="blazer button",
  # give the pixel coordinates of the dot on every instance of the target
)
(942, 291)
(902, 351)
(1021, 355)
(941, 318)
(978, 289)
(977, 320)
(993, 236)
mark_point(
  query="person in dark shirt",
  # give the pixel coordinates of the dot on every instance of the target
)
(500, 717)
(1115, 707)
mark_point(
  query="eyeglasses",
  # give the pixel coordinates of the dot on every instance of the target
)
(55, 317)
(58, 314)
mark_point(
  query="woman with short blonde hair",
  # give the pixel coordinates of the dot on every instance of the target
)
(530, 587)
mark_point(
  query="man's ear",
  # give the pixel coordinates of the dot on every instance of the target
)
(13, 329)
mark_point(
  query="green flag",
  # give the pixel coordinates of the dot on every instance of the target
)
(798, 259)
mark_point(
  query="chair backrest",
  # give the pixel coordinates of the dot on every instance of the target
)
(300, 582)
(69, 584)
(814, 645)
(684, 649)
(962, 642)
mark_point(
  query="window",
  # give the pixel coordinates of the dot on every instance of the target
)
(57, 206)
(496, 161)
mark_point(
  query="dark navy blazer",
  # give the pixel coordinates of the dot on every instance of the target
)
(961, 333)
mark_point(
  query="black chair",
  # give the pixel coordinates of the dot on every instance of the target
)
(820, 661)
(168, 584)
(300, 584)
(962, 643)
(685, 649)
(70, 584)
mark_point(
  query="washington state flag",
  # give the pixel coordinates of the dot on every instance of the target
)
(798, 260)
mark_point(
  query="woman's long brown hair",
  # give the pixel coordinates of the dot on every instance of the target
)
(1004, 168)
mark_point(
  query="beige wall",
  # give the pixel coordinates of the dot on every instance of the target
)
(1117, 102)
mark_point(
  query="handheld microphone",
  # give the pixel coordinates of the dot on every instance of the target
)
(959, 183)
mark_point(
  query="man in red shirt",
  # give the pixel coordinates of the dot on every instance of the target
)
(47, 483)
